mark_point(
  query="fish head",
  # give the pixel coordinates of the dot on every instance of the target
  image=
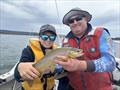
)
(74, 52)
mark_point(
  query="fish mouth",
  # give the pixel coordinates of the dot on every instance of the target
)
(73, 54)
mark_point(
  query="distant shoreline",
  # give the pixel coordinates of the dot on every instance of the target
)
(18, 32)
(118, 39)
(9, 32)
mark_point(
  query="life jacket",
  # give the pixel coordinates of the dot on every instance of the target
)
(89, 80)
(37, 84)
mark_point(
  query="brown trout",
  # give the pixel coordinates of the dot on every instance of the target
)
(46, 64)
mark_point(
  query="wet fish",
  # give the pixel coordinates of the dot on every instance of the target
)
(46, 64)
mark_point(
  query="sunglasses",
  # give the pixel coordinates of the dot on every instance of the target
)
(46, 37)
(70, 21)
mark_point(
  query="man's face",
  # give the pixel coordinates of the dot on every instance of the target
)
(47, 39)
(78, 25)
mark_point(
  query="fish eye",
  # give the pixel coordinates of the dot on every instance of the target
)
(78, 50)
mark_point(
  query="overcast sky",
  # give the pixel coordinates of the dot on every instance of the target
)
(29, 15)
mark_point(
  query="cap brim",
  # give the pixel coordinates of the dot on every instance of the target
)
(49, 31)
(76, 12)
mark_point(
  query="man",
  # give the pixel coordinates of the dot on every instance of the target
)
(92, 71)
(32, 53)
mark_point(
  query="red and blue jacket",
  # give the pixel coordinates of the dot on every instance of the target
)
(99, 55)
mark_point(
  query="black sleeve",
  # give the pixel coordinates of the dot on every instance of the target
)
(27, 56)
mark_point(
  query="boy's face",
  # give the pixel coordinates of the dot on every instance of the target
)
(47, 39)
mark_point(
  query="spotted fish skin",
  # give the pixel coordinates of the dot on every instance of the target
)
(47, 62)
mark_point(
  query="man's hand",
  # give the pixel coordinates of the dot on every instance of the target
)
(71, 65)
(27, 71)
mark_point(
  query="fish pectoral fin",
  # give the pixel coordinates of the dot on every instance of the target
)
(52, 69)
(30, 83)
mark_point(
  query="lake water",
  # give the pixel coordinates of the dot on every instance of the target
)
(10, 50)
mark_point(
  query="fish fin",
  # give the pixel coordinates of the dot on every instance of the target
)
(48, 51)
(30, 82)
(61, 75)
(53, 68)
